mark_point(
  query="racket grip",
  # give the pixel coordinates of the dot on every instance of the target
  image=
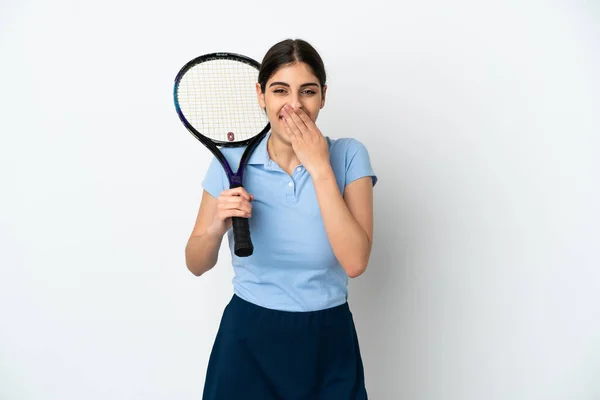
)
(242, 245)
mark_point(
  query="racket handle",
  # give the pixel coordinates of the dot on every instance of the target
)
(242, 245)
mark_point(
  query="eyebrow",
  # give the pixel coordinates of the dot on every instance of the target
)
(287, 85)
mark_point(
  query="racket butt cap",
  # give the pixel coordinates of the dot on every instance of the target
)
(244, 251)
(243, 246)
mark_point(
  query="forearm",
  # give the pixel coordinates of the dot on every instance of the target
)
(202, 252)
(350, 243)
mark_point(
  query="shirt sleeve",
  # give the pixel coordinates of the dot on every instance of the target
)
(214, 180)
(358, 163)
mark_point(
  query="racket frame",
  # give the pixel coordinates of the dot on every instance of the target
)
(243, 245)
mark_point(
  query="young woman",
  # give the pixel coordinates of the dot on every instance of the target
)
(287, 332)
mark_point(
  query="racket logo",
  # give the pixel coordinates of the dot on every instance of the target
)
(230, 136)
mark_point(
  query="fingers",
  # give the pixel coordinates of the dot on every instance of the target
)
(234, 209)
(234, 203)
(303, 117)
(238, 191)
(291, 132)
(298, 122)
(300, 113)
(293, 121)
(224, 214)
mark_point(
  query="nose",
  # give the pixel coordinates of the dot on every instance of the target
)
(295, 103)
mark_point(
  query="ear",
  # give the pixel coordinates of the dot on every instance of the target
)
(323, 97)
(261, 96)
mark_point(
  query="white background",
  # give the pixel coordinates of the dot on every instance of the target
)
(482, 121)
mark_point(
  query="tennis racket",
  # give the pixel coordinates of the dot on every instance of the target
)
(215, 98)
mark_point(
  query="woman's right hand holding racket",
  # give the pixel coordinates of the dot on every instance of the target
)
(230, 203)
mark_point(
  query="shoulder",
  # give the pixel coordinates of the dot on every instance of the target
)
(350, 158)
(345, 145)
(346, 150)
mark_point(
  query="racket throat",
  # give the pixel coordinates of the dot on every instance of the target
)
(235, 181)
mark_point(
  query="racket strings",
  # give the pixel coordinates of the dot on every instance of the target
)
(218, 97)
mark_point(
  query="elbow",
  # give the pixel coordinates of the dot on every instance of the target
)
(355, 265)
(198, 270)
(190, 266)
(197, 266)
(358, 263)
(356, 269)
(195, 272)
(356, 272)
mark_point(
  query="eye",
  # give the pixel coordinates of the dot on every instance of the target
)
(279, 90)
(309, 92)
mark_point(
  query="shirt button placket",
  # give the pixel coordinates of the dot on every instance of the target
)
(290, 191)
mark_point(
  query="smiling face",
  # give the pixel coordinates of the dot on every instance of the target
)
(292, 84)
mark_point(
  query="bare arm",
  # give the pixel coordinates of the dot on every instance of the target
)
(348, 220)
(214, 219)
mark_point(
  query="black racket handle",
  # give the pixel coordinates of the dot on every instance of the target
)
(242, 245)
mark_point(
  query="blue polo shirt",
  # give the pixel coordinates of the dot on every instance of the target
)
(293, 267)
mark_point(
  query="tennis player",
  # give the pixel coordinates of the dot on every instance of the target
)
(288, 332)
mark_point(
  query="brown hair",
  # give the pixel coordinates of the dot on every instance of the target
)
(287, 52)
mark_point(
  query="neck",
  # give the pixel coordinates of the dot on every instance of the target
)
(282, 153)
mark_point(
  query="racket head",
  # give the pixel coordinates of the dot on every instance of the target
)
(215, 98)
